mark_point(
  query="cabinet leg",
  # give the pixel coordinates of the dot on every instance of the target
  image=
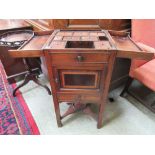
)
(100, 116)
(59, 123)
(58, 116)
(57, 111)
(127, 85)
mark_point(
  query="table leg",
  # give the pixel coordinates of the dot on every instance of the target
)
(30, 76)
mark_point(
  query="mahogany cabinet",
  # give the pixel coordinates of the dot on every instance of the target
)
(121, 68)
(80, 65)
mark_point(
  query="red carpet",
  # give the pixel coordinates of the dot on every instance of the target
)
(15, 117)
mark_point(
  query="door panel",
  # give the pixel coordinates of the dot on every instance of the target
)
(77, 79)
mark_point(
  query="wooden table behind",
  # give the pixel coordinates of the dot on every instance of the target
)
(13, 66)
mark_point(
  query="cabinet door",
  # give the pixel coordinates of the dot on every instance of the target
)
(79, 79)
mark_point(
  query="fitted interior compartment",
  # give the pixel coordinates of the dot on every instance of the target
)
(103, 38)
(79, 44)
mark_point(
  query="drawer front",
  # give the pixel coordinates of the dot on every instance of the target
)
(78, 98)
(77, 58)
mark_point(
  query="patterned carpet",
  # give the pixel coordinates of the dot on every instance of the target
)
(15, 117)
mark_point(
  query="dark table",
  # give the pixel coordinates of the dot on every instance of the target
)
(15, 67)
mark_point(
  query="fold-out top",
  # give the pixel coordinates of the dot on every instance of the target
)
(81, 41)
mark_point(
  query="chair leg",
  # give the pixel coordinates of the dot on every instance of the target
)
(128, 83)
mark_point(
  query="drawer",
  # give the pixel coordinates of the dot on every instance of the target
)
(76, 58)
(33, 47)
(62, 97)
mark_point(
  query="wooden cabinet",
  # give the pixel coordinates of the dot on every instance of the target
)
(80, 70)
(80, 66)
(122, 66)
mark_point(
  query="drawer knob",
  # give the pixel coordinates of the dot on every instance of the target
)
(56, 80)
(80, 58)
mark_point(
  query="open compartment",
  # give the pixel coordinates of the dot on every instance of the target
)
(79, 44)
(102, 38)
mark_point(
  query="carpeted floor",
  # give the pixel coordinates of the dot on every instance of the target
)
(120, 117)
(15, 117)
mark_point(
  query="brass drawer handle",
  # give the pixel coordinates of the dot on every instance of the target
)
(80, 58)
